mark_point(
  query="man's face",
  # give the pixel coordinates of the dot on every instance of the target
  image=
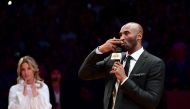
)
(129, 34)
(55, 75)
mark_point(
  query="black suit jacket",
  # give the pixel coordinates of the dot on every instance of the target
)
(142, 90)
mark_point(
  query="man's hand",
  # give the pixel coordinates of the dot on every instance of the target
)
(109, 45)
(119, 71)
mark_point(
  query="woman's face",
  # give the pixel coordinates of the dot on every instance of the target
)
(27, 72)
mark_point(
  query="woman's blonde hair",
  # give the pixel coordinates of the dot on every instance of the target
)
(32, 64)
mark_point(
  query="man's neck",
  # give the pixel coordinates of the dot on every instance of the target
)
(134, 50)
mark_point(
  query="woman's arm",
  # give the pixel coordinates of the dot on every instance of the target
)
(42, 100)
(16, 99)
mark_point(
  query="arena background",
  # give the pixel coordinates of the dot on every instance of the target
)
(61, 33)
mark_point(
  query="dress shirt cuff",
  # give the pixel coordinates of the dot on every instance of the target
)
(98, 51)
(124, 80)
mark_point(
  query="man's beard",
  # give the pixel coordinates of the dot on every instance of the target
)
(126, 45)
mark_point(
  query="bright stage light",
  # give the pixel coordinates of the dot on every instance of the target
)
(9, 2)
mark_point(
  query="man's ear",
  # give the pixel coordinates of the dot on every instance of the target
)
(139, 36)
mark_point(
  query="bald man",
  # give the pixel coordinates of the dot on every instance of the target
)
(139, 87)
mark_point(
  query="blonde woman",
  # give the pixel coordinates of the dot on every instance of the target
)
(30, 92)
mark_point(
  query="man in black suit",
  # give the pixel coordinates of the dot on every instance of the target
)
(141, 86)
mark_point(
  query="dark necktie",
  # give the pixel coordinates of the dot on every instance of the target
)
(127, 64)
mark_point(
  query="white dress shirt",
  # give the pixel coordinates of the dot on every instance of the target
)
(18, 101)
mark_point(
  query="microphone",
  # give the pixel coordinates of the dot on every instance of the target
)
(116, 56)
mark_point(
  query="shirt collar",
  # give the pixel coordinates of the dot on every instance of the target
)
(136, 54)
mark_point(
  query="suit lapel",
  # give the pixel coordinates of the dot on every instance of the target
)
(139, 63)
(123, 57)
(111, 85)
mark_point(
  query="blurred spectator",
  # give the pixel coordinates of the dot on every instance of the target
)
(30, 92)
(178, 68)
(55, 88)
(63, 93)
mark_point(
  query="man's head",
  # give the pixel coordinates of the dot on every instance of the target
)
(132, 34)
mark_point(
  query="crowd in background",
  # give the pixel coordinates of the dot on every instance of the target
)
(60, 33)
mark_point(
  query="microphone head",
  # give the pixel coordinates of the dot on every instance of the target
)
(116, 57)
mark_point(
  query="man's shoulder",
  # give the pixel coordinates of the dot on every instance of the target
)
(151, 56)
